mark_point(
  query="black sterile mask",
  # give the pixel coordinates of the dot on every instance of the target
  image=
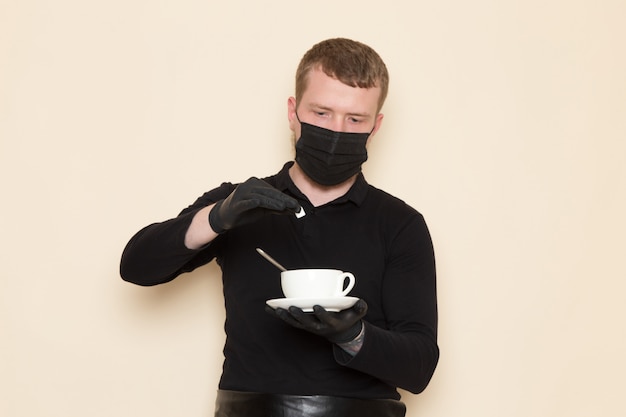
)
(329, 157)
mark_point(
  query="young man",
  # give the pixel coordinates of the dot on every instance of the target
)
(285, 362)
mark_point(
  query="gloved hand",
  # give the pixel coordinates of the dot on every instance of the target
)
(248, 203)
(338, 327)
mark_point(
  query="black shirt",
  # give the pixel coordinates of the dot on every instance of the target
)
(380, 239)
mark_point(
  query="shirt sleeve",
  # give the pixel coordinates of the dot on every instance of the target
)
(157, 253)
(403, 352)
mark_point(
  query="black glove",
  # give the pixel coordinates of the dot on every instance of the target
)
(341, 327)
(250, 200)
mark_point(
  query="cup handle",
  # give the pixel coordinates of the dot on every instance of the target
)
(345, 291)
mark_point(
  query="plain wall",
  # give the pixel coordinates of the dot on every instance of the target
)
(505, 126)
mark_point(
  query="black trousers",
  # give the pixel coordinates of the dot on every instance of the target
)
(251, 404)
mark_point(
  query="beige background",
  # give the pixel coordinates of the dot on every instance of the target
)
(505, 126)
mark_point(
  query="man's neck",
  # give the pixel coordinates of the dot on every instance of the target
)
(318, 194)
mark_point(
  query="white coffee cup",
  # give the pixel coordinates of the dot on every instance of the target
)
(316, 283)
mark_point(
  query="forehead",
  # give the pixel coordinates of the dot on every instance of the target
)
(331, 93)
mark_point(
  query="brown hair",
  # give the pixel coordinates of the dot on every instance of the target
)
(351, 62)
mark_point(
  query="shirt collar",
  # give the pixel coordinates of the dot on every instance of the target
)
(356, 193)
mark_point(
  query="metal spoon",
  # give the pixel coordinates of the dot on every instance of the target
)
(271, 260)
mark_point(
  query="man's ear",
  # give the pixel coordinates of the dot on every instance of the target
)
(377, 124)
(291, 113)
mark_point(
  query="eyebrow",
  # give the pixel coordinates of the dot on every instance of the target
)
(321, 107)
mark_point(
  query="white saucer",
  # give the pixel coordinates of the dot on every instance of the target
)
(306, 304)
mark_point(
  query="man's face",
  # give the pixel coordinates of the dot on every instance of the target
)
(333, 105)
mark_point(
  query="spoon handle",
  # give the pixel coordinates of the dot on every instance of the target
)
(270, 259)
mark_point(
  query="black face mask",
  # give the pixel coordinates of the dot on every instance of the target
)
(329, 157)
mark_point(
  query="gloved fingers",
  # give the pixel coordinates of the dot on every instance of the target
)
(324, 315)
(306, 321)
(357, 311)
(262, 194)
(338, 327)
(350, 315)
(255, 201)
(360, 307)
(269, 310)
(276, 203)
(273, 199)
(335, 321)
(285, 316)
(247, 204)
(297, 318)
